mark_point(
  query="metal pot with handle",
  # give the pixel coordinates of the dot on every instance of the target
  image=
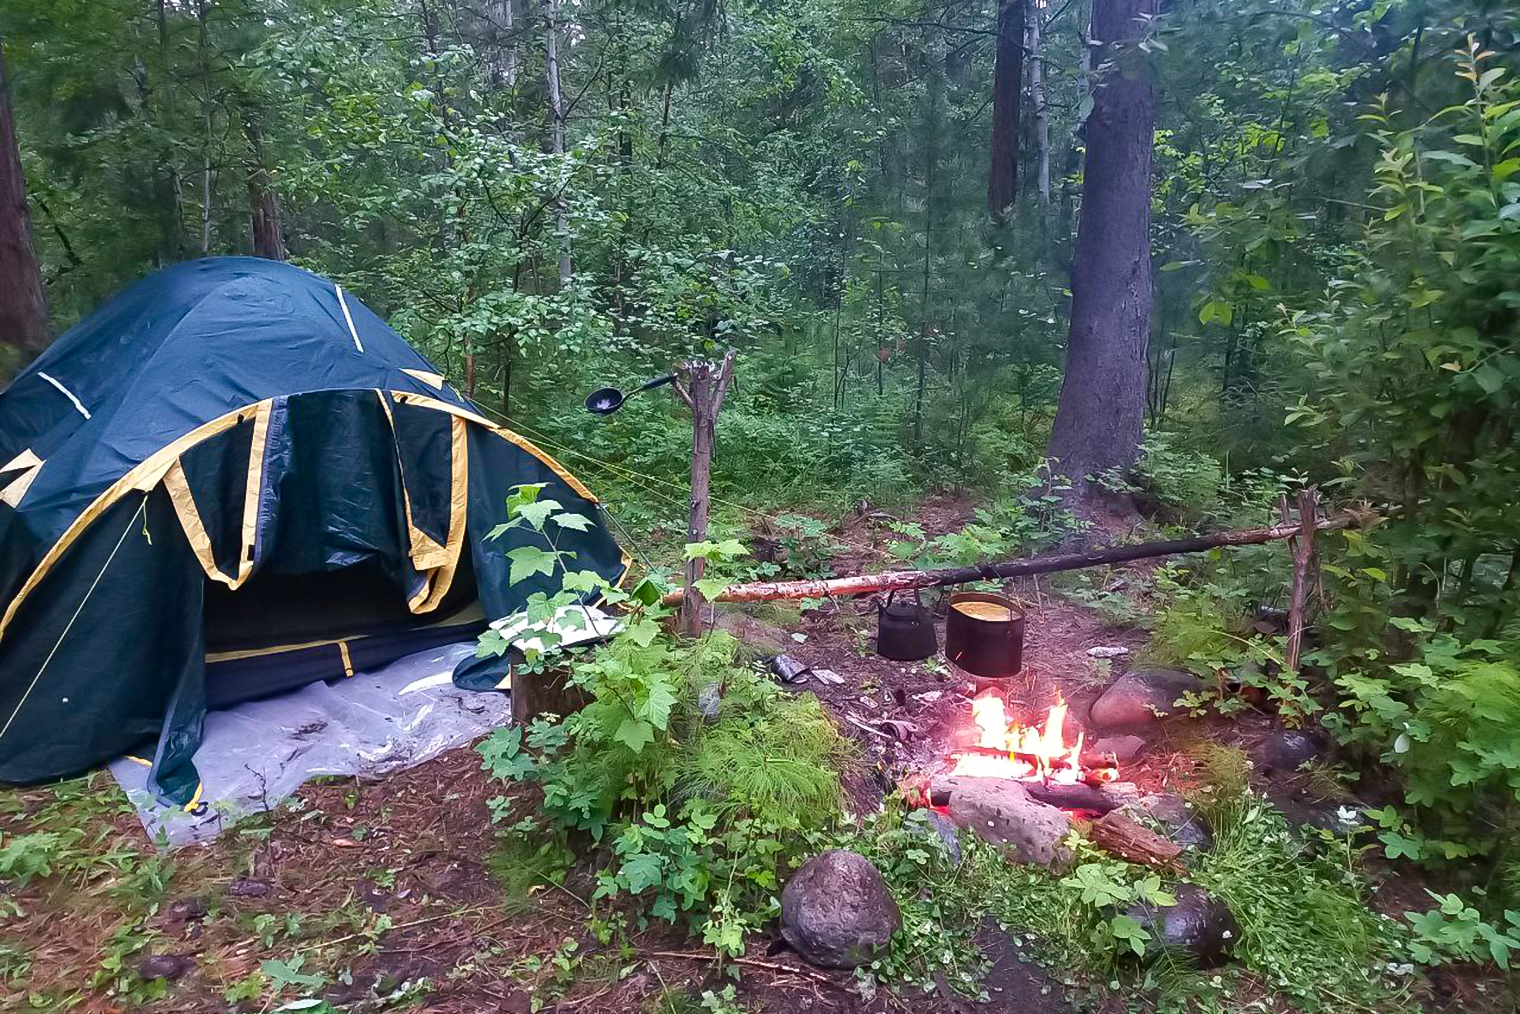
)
(905, 630)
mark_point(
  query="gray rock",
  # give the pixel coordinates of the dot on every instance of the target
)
(710, 701)
(1285, 750)
(935, 827)
(248, 887)
(188, 910)
(1002, 812)
(1199, 926)
(164, 966)
(1178, 821)
(789, 670)
(1141, 697)
(1107, 651)
(1116, 749)
(836, 911)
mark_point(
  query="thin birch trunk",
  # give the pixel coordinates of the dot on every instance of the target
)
(557, 117)
(205, 62)
(503, 59)
(1036, 57)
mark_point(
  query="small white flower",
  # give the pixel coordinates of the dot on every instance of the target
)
(1348, 816)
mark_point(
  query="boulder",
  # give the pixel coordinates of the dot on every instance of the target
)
(1199, 926)
(1178, 820)
(836, 911)
(1004, 813)
(1141, 697)
(1113, 749)
(248, 887)
(1286, 750)
(710, 702)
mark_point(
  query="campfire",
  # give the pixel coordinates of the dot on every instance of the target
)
(1032, 753)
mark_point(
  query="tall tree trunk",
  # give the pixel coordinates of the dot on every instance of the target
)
(1007, 88)
(1101, 411)
(557, 117)
(933, 92)
(201, 14)
(263, 203)
(502, 57)
(172, 224)
(23, 303)
(1032, 17)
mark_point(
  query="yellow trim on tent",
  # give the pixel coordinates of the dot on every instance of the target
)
(195, 800)
(470, 614)
(406, 398)
(425, 551)
(442, 578)
(147, 474)
(26, 459)
(434, 380)
(151, 471)
(348, 662)
(178, 487)
(254, 490)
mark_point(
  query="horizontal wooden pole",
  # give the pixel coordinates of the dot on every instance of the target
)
(896, 580)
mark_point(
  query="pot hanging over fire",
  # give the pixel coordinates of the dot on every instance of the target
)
(985, 634)
(905, 630)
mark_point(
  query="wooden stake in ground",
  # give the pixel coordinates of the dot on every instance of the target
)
(701, 385)
(1302, 546)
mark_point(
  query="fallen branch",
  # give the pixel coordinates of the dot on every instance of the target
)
(773, 966)
(1117, 835)
(896, 580)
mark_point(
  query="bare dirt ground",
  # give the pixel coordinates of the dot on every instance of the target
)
(385, 884)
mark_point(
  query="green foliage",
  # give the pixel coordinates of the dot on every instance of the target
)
(701, 808)
(1455, 931)
(1445, 718)
(1305, 925)
(1201, 623)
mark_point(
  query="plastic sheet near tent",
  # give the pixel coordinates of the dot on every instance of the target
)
(235, 461)
(255, 754)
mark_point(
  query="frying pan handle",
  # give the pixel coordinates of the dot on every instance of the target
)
(656, 382)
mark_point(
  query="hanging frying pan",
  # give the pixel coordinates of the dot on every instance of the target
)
(609, 399)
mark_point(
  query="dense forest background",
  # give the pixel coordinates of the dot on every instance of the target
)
(1163, 261)
(546, 195)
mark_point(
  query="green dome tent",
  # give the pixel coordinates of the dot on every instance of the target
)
(230, 480)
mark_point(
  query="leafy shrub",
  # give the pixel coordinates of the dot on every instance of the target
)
(1179, 478)
(1455, 931)
(704, 777)
(1446, 719)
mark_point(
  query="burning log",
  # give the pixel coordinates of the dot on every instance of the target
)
(1088, 798)
(1122, 837)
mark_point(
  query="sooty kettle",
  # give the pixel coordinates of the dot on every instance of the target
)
(905, 630)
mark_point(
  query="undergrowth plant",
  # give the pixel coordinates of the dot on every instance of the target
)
(701, 778)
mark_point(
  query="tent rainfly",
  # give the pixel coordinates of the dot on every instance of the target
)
(230, 480)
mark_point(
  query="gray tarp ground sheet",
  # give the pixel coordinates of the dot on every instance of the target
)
(256, 754)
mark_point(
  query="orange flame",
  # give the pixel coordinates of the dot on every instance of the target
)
(1011, 750)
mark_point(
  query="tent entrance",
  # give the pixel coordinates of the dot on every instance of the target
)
(329, 516)
(282, 631)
